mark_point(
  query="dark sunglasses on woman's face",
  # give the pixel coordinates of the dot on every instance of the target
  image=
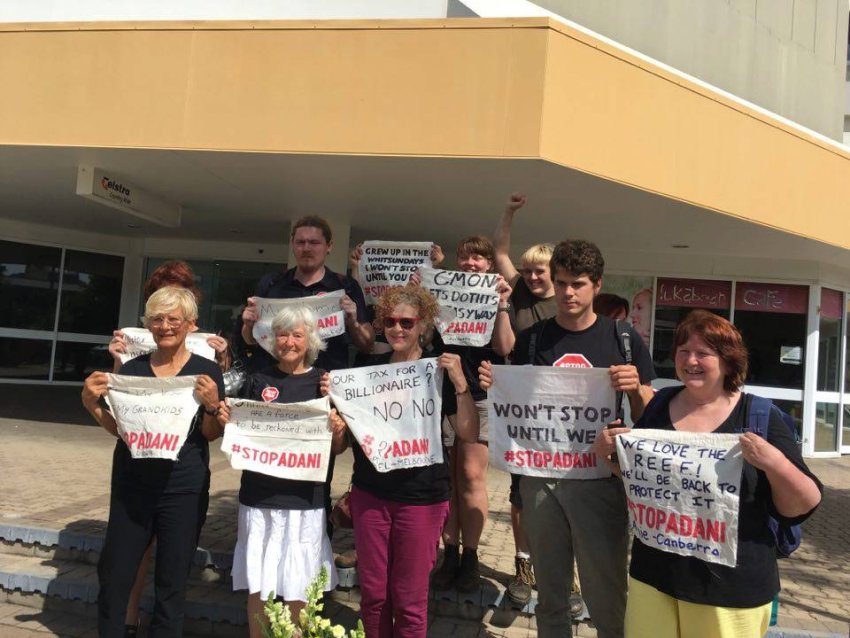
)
(406, 323)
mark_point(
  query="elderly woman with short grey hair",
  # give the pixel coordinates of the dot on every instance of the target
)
(282, 543)
(155, 497)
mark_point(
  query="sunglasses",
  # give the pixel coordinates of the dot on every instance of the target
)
(406, 323)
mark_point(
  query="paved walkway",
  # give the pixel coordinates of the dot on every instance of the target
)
(57, 476)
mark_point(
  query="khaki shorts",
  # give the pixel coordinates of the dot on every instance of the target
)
(483, 432)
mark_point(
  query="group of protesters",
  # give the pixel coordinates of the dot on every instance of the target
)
(545, 310)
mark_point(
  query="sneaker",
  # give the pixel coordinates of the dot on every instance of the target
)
(519, 589)
(576, 601)
(469, 575)
(444, 576)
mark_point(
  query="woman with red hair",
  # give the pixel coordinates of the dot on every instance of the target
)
(672, 595)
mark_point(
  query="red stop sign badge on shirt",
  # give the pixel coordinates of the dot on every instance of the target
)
(572, 361)
(270, 393)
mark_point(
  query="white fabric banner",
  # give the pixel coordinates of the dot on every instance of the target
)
(286, 440)
(331, 319)
(468, 304)
(682, 489)
(153, 414)
(394, 411)
(390, 263)
(543, 421)
(140, 341)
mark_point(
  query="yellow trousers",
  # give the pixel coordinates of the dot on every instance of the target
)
(653, 614)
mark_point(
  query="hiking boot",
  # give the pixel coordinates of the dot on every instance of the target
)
(576, 601)
(444, 576)
(347, 559)
(519, 589)
(469, 575)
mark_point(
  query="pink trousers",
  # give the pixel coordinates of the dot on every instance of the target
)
(396, 549)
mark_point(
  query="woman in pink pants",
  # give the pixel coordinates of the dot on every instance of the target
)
(399, 515)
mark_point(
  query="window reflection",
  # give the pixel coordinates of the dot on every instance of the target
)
(91, 293)
(24, 358)
(29, 278)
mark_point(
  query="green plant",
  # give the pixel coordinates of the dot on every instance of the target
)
(311, 624)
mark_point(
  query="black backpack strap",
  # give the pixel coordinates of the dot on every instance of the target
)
(536, 334)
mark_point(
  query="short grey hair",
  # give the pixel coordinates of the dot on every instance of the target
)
(296, 316)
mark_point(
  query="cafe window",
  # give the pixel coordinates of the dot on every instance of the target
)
(829, 340)
(91, 293)
(675, 298)
(29, 282)
(772, 320)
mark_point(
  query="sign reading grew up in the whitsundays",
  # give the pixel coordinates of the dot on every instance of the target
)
(682, 489)
(543, 421)
(394, 411)
(286, 440)
(140, 341)
(468, 304)
(153, 414)
(331, 322)
(390, 263)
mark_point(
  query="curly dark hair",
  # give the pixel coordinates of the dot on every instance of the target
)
(172, 273)
(578, 257)
(721, 336)
(416, 296)
(610, 305)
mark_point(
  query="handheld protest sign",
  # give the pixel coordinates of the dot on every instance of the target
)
(468, 304)
(394, 411)
(543, 421)
(682, 490)
(140, 341)
(331, 320)
(153, 414)
(285, 440)
(390, 263)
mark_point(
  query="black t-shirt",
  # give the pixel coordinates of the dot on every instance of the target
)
(754, 581)
(190, 473)
(262, 490)
(418, 485)
(527, 308)
(470, 359)
(285, 286)
(598, 346)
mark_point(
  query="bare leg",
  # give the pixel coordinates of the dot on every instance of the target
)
(451, 532)
(520, 539)
(256, 617)
(473, 461)
(132, 616)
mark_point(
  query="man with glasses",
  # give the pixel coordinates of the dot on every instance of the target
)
(312, 241)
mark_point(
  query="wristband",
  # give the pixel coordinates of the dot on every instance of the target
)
(212, 412)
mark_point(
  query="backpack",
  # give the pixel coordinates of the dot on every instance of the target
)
(624, 343)
(787, 538)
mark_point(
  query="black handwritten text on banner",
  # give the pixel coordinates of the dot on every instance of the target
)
(543, 421)
(390, 263)
(331, 322)
(468, 304)
(140, 341)
(153, 414)
(682, 489)
(394, 411)
(286, 440)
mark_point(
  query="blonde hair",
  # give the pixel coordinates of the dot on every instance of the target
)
(538, 254)
(171, 298)
(292, 317)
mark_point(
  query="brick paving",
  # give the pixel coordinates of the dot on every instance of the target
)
(57, 476)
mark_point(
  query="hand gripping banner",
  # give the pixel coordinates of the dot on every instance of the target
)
(394, 411)
(543, 421)
(331, 320)
(390, 263)
(682, 489)
(468, 304)
(286, 440)
(140, 341)
(153, 414)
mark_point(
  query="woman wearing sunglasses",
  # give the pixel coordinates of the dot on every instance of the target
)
(398, 515)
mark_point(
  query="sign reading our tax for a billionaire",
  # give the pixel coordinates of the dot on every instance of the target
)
(331, 321)
(153, 414)
(682, 490)
(394, 411)
(285, 440)
(140, 341)
(543, 421)
(390, 263)
(468, 304)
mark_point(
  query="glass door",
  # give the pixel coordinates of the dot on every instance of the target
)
(845, 384)
(828, 409)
